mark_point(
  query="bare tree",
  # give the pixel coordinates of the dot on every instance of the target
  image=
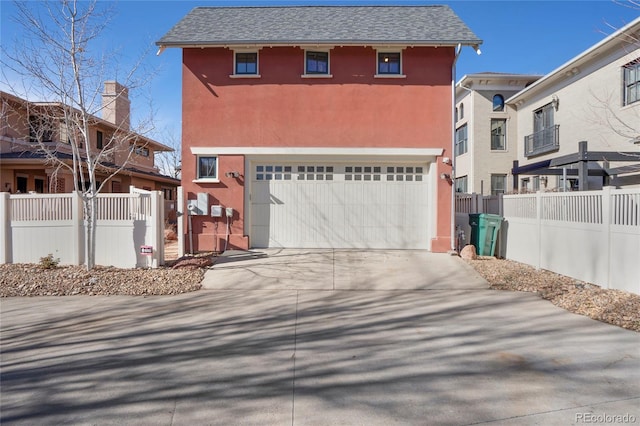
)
(606, 106)
(59, 57)
(170, 162)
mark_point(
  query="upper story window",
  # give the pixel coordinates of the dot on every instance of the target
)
(461, 111)
(456, 115)
(498, 134)
(140, 150)
(389, 63)
(99, 140)
(246, 63)
(316, 63)
(40, 129)
(631, 82)
(498, 103)
(207, 167)
(546, 136)
(461, 140)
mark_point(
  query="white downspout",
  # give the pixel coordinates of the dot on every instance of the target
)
(453, 147)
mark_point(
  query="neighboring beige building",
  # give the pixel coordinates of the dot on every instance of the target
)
(485, 131)
(24, 166)
(593, 98)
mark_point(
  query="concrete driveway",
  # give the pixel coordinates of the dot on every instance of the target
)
(347, 342)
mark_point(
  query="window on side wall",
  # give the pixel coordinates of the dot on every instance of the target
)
(461, 184)
(498, 103)
(389, 63)
(498, 184)
(631, 76)
(316, 63)
(461, 140)
(498, 134)
(246, 63)
(207, 167)
(99, 141)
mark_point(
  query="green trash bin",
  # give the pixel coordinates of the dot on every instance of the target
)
(484, 232)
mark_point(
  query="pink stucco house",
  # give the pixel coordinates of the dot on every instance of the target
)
(319, 126)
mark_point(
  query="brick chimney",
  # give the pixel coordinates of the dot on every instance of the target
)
(116, 107)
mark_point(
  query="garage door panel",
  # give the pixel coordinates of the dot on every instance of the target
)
(339, 206)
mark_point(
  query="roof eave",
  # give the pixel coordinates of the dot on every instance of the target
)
(282, 43)
(572, 66)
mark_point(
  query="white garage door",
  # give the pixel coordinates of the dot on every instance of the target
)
(300, 205)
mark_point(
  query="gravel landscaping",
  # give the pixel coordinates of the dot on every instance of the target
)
(611, 306)
(185, 275)
(180, 276)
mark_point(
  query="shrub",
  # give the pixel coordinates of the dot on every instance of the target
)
(48, 262)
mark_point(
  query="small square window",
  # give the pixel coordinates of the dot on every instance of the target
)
(389, 63)
(246, 63)
(317, 63)
(207, 167)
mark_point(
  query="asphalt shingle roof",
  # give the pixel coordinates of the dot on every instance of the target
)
(427, 25)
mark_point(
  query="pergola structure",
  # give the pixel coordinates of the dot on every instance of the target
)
(582, 158)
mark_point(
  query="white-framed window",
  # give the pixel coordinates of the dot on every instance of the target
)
(498, 134)
(631, 82)
(316, 63)
(245, 63)
(207, 167)
(461, 184)
(498, 184)
(498, 102)
(389, 63)
(142, 151)
(461, 140)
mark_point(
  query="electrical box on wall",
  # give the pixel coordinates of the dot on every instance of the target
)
(229, 212)
(216, 211)
(199, 206)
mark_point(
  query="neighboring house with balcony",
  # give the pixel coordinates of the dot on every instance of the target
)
(595, 98)
(539, 122)
(319, 126)
(30, 129)
(485, 141)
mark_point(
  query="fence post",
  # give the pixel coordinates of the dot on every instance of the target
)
(5, 228)
(180, 220)
(476, 203)
(77, 218)
(160, 225)
(607, 208)
(154, 229)
(539, 225)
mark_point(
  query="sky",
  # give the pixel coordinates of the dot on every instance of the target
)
(528, 37)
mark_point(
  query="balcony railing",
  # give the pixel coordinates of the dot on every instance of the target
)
(543, 141)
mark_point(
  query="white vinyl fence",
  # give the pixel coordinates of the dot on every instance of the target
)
(592, 236)
(35, 225)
